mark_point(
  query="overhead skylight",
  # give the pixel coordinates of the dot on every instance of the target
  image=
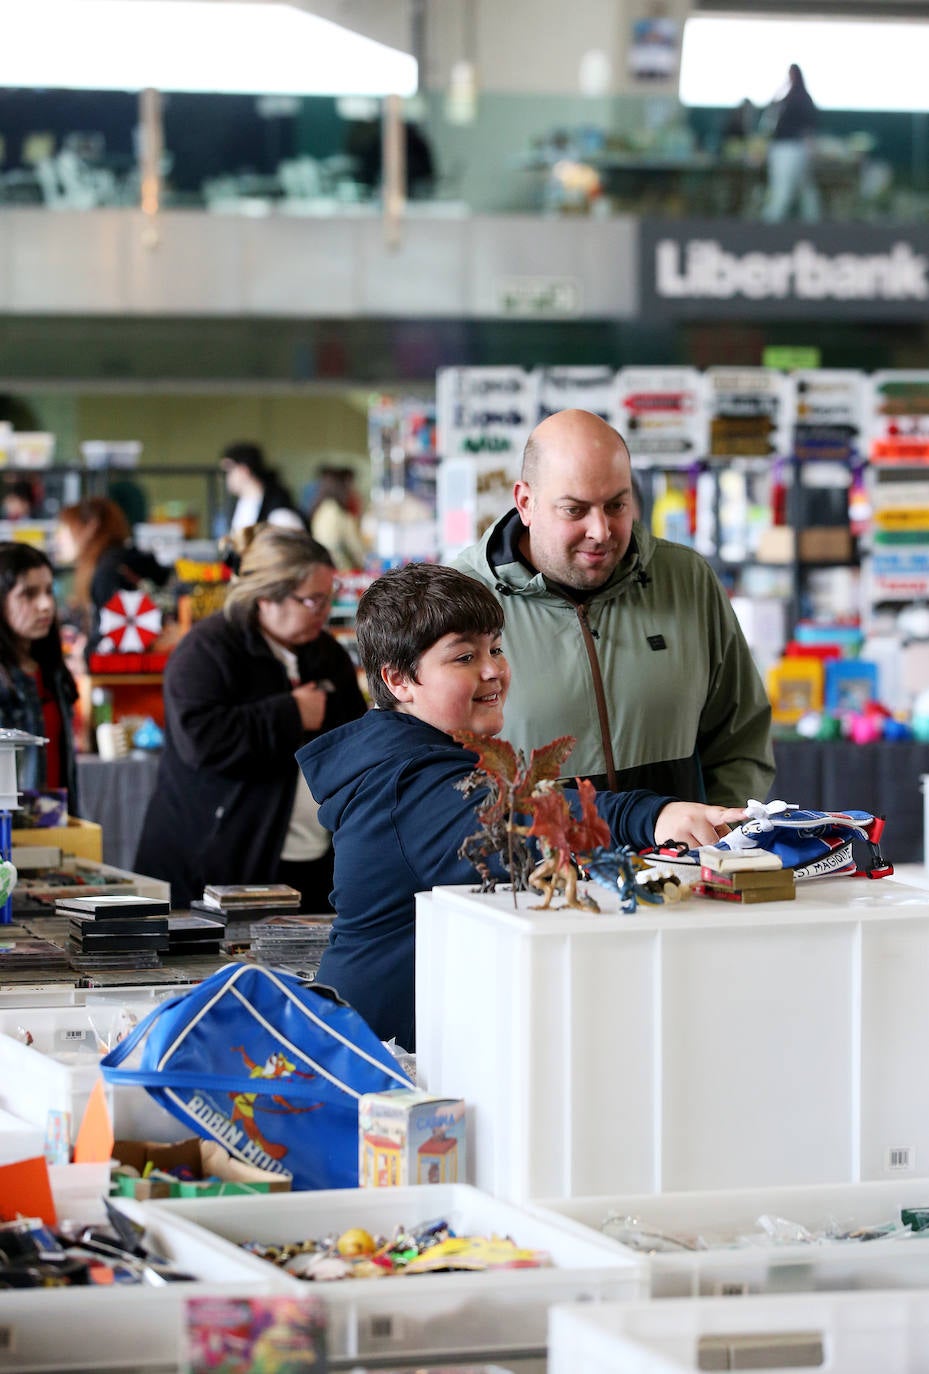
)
(192, 45)
(846, 64)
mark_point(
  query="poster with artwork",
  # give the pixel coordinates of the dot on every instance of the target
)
(654, 47)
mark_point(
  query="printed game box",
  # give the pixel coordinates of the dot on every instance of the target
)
(409, 1137)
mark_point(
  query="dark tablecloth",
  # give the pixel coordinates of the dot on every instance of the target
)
(882, 778)
(115, 794)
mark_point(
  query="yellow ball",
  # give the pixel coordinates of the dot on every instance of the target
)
(355, 1241)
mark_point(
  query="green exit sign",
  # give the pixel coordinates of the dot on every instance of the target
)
(789, 359)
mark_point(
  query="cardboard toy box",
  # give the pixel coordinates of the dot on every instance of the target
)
(409, 1137)
(84, 839)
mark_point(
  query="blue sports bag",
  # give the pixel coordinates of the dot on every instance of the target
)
(205, 1054)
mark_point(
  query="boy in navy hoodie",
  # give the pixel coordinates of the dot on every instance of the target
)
(430, 642)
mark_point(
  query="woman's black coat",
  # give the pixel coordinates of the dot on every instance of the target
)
(227, 778)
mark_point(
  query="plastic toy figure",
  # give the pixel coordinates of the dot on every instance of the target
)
(565, 842)
(620, 869)
(513, 791)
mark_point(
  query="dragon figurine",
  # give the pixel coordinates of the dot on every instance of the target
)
(513, 788)
(563, 840)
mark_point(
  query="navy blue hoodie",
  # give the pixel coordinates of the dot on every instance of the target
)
(385, 788)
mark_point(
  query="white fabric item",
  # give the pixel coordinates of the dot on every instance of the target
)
(246, 514)
(306, 839)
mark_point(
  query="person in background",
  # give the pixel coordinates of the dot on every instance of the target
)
(389, 785)
(790, 159)
(333, 517)
(37, 693)
(243, 691)
(740, 124)
(93, 537)
(626, 641)
(261, 497)
(19, 501)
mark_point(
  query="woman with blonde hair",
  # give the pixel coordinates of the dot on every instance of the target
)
(243, 691)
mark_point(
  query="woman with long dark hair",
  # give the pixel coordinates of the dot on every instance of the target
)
(37, 692)
(93, 537)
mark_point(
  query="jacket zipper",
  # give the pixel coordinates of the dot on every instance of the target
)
(600, 695)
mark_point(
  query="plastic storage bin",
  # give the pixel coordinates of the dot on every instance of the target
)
(495, 1313)
(19, 1139)
(118, 1328)
(836, 1333)
(57, 1072)
(698, 1046)
(113, 453)
(725, 1269)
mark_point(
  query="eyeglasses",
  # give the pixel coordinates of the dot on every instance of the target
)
(319, 602)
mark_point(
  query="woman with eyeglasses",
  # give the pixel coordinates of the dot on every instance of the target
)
(243, 691)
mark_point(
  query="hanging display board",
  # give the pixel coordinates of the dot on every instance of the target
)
(898, 568)
(484, 416)
(401, 442)
(661, 414)
(576, 388)
(830, 414)
(899, 419)
(749, 412)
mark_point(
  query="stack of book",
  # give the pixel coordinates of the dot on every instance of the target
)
(292, 942)
(745, 876)
(115, 931)
(238, 905)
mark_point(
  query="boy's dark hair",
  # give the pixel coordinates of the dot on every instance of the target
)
(406, 611)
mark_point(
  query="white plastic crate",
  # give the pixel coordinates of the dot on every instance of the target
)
(836, 1333)
(55, 1072)
(67, 995)
(696, 1046)
(495, 1313)
(52, 1331)
(19, 1139)
(727, 1268)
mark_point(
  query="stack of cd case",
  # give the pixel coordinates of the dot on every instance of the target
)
(115, 931)
(194, 935)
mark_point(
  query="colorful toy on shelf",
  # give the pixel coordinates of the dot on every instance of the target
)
(795, 687)
(867, 725)
(851, 683)
(130, 622)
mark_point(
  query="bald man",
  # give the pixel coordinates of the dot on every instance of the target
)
(623, 640)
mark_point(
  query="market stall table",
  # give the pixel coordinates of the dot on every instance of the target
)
(115, 793)
(700, 1045)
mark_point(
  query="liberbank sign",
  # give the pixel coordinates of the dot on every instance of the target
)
(707, 269)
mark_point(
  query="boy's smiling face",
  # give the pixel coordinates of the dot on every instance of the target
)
(462, 684)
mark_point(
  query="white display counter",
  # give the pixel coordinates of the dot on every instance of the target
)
(697, 1046)
(836, 1333)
